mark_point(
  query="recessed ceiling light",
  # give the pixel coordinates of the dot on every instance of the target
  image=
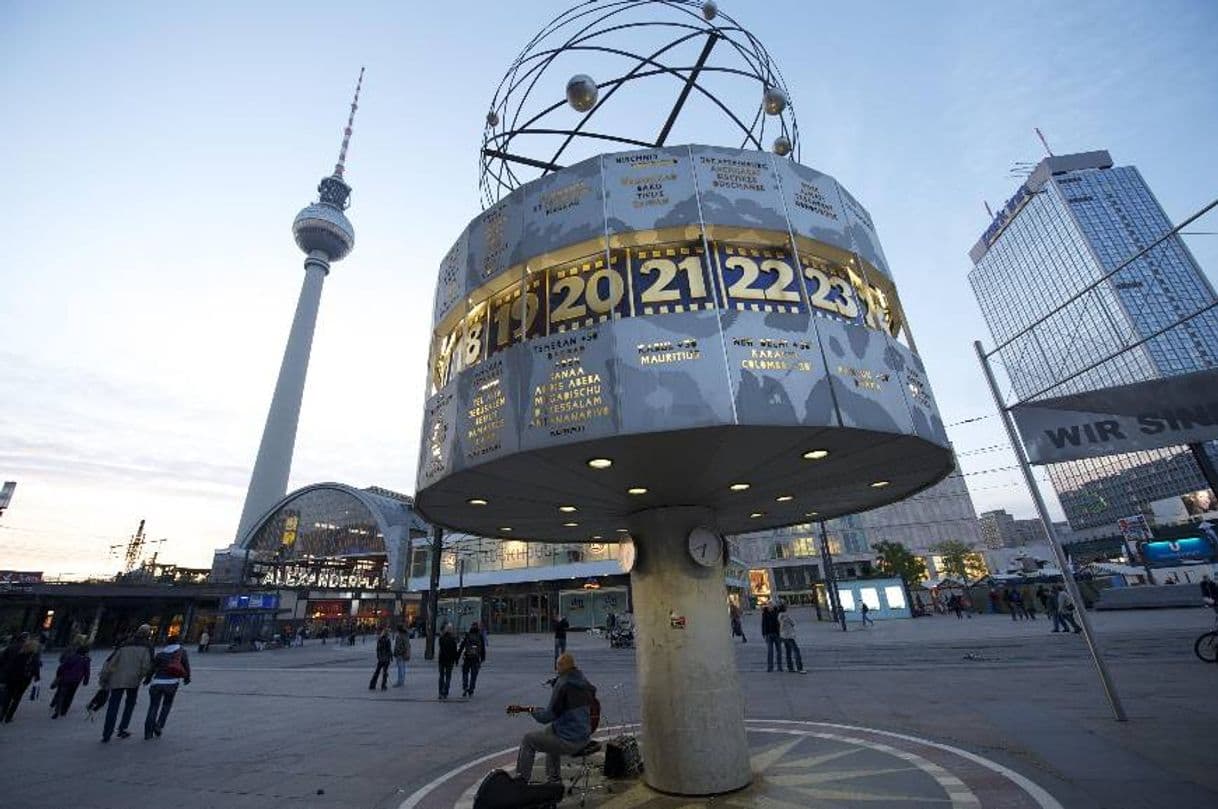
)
(505, 529)
(785, 498)
(816, 454)
(567, 509)
(597, 536)
(600, 463)
(636, 490)
(879, 484)
(811, 513)
(738, 487)
(476, 501)
(623, 530)
(570, 525)
(757, 514)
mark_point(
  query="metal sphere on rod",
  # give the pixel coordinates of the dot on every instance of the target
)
(581, 92)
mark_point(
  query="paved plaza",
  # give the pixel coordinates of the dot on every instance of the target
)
(932, 712)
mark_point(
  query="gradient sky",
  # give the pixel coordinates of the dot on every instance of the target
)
(155, 155)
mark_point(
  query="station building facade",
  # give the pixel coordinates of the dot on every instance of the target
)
(337, 558)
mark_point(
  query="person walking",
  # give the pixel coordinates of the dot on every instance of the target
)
(121, 675)
(771, 634)
(22, 665)
(384, 654)
(73, 672)
(1209, 592)
(473, 654)
(1042, 595)
(447, 658)
(737, 623)
(786, 630)
(1027, 601)
(170, 668)
(1050, 603)
(865, 612)
(204, 641)
(401, 655)
(561, 625)
(1065, 608)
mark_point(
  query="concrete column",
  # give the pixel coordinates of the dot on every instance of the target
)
(269, 480)
(97, 616)
(694, 740)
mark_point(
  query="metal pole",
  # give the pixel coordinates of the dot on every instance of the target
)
(1207, 466)
(826, 557)
(1118, 710)
(460, 590)
(433, 591)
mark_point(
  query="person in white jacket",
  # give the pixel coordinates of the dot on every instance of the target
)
(1065, 609)
(786, 631)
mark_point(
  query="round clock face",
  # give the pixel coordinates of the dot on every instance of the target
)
(705, 547)
(627, 554)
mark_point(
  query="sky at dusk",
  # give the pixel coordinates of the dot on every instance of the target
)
(155, 155)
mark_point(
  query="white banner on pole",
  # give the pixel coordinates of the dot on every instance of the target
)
(1156, 413)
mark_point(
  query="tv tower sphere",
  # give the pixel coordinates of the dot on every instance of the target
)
(323, 226)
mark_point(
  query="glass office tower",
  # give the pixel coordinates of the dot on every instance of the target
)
(1076, 218)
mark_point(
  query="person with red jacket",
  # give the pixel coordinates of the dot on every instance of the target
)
(170, 668)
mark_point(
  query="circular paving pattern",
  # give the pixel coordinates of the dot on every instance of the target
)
(795, 765)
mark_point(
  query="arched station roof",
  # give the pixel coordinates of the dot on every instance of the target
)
(333, 520)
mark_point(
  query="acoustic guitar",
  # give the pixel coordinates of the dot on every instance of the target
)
(514, 709)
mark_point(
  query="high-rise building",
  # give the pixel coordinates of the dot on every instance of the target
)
(323, 232)
(1000, 530)
(1075, 219)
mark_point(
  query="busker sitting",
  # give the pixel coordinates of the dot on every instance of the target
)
(568, 720)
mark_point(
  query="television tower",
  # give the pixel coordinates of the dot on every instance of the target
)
(323, 232)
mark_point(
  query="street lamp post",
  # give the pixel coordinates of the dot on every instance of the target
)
(460, 589)
(433, 592)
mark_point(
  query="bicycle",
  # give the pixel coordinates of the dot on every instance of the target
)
(1206, 646)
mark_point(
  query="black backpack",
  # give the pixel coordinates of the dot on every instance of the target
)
(473, 647)
(499, 790)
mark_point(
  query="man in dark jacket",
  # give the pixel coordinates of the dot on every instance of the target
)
(1209, 592)
(567, 720)
(21, 666)
(447, 658)
(170, 668)
(384, 654)
(560, 636)
(773, 641)
(473, 654)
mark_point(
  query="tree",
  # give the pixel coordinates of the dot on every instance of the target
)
(960, 561)
(894, 559)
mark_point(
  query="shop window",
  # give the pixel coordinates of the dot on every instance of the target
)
(870, 596)
(895, 595)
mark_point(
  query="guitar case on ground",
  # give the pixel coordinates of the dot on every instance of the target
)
(499, 790)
